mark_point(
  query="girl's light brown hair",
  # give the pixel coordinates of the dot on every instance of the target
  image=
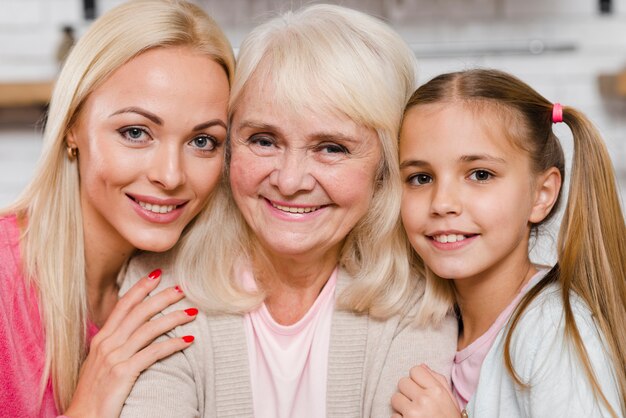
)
(592, 238)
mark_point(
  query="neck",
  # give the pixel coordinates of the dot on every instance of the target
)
(292, 285)
(482, 299)
(105, 255)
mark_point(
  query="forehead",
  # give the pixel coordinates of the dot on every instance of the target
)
(163, 79)
(456, 128)
(260, 104)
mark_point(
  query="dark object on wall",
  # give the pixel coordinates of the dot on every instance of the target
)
(89, 9)
(606, 6)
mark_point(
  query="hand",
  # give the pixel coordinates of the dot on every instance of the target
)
(124, 347)
(425, 394)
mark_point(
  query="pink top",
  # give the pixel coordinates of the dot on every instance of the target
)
(22, 339)
(288, 364)
(467, 362)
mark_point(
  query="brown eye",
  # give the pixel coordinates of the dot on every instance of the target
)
(418, 179)
(481, 175)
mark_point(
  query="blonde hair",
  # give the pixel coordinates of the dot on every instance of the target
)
(354, 65)
(51, 202)
(592, 237)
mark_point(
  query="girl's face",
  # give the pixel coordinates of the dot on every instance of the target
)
(469, 194)
(150, 142)
(302, 181)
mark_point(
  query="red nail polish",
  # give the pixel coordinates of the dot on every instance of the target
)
(178, 289)
(155, 274)
(191, 311)
(188, 338)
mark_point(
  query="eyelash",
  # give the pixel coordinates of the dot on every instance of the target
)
(412, 179)
(489, 175)
(124, 133)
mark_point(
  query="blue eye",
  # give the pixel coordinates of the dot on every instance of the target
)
(420, 178)
(133, 133)
(261, 140)
(204, 142)
(333, 149)
(480, 175)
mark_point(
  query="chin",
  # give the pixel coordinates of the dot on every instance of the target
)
(156, 244)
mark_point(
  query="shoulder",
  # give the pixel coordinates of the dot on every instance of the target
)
(9, 230)
(540, 342)
(142, 264)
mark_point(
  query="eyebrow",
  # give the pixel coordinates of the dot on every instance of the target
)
(320, 136)
(482, 157)
(154, 118)
(463, 158)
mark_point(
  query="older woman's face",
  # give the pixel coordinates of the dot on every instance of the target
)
(301, 180)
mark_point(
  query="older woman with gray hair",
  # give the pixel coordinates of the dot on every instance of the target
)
(310, 305)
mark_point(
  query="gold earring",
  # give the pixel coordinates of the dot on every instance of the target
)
(72, 153)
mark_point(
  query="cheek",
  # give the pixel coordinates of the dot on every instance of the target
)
(204, 175)
(247, 171)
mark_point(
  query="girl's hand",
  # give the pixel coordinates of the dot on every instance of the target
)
(424, 394)
(124, 347)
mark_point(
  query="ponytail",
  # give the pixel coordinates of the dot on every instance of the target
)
(591, 254)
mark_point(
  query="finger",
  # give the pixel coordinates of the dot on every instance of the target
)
(443, 383)
(149, 331)
(146, 310)
(153, 353)
(126, 303)
(400, 403)
(422, 376)
(409, 388)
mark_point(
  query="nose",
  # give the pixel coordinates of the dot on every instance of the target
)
(446, 199)
(292, 173)
(166, 168)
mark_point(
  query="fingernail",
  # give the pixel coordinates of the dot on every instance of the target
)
(155, 274)
(191, 311)
(178, 289)
(188, 338)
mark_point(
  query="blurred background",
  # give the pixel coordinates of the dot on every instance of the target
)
(572, 51)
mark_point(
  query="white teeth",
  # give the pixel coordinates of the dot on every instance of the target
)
(448, 238)
(296, 210)
(156, 208)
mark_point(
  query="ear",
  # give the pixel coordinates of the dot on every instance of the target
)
(546, 192)
(70, 139)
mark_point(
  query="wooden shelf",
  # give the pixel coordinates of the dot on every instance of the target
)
(25, 93)
(613, 85)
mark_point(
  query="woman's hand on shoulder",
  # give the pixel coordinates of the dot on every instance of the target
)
(125, 346)
(424, 394)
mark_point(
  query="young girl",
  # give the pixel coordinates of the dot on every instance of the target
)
(482, 171)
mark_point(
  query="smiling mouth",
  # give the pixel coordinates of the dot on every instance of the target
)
(292, 209)
(156, 208)
(446, 238)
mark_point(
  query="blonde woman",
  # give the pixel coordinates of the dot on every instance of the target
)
(133, 149)
(310, 304)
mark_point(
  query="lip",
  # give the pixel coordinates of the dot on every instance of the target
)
(159, 218)
(293, 216)
(450, 246)
(157, 201)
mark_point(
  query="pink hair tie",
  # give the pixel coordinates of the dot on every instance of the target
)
(557, 113)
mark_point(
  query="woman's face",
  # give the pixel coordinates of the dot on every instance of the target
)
(150, 142)
(301, 180)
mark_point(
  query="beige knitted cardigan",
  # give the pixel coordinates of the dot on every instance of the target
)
(211, 378)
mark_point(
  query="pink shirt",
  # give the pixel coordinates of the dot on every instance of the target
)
(288, 364)
(467, 362)
(22, 337)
